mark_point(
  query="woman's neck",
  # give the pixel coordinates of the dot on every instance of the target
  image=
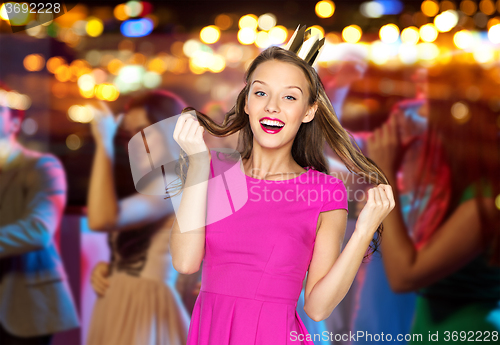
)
(409, 167)
(7, 145)
(266, 162)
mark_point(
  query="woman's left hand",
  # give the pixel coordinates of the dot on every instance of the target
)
(384, 147)
(99, 278)
(379, 204)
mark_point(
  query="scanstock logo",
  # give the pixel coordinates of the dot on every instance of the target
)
(154, 161)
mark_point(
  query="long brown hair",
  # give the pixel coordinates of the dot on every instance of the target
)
(308, 145)
(132, 245)
(460, 154)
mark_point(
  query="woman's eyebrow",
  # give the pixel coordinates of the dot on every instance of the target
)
(288, 87)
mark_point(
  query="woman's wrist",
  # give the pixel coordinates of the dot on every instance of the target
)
(106, 146)
(363, 236)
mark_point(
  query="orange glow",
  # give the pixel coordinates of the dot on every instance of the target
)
(63, 73)
(54, 62)
(114, 66)
(33, 62)
(223, 21)
(120, 12)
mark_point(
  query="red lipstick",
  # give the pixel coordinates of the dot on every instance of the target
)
(271, 130)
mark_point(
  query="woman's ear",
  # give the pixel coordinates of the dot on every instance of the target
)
(246, 105)
(311, 112)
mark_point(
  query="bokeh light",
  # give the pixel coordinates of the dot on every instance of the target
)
(190, 47)
(34, 62)
(107, 92)
(137, 27)
(372, 9)
(483, 54)
(325, 9)
(389, 33)
(223, 21)
(29, 126)
(460, 112)
(278, 35)
(94, 27)
(262, 39)
(352, 34)
(218, 64)
(408, 53)
(210, 34)
(86, 82)
(54, 62)
(120, 12)
(430, 8)
(463, 39)
(14, 100)
(487, 7)
(447, 5)
(151, 80)
(82, 114)
(73, 142)
(267, 21)
(63, 73)
(114, 66)
(249, 21)
(427, 51)
(129, 78)
(133, 8)
(494, 34)
(247, 35)
(446, 21)
(468, 7)
(157, 65)
(428, 32)
(410, 35)
(379, 52)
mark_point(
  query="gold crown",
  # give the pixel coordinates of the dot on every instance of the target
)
(306, 46)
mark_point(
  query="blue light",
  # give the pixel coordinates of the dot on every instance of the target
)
(391, 6)
(136, 27)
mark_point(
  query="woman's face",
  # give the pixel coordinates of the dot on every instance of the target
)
(134, 120)
(412, 125)
(277, 103)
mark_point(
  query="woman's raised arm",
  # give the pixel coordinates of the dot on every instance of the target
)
(187, 239)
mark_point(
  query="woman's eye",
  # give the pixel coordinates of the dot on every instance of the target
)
(260, 93)
(291, 98)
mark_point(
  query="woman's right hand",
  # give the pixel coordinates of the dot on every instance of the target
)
(188, 133)
(104, 125)
(99, 278)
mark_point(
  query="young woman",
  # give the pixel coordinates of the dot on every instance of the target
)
(454, 263)
(256, 257)
(137, 303)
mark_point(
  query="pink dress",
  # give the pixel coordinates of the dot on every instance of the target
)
(257, 255)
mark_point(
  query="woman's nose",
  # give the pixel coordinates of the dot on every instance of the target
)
(272, 106)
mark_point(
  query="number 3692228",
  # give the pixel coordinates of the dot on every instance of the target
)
(33, 7)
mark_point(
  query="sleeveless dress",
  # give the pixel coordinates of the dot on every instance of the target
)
(141, 305)
(260, 237)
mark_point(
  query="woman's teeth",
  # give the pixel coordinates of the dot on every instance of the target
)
(272, 124)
